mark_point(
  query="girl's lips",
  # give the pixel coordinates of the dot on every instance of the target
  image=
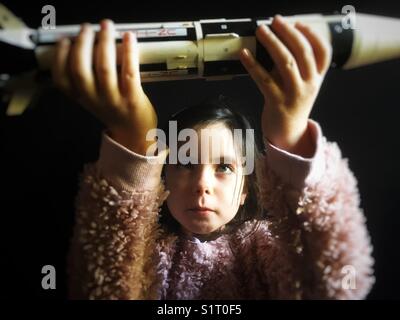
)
(201, 211)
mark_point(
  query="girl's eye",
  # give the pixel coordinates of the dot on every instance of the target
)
(221, 168)
(225, 168)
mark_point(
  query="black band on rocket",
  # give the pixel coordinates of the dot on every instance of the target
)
(263, 57)
(342, 43)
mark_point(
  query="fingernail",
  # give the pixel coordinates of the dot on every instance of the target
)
(129, 36)
(106, 24)
(265, 28)
(246, 52)
(85, 26)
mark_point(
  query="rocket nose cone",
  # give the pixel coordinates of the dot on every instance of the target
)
(376, 39)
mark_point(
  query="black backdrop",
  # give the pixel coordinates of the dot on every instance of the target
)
(43, 151)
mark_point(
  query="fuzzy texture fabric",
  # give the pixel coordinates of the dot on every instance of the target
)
(314, 237)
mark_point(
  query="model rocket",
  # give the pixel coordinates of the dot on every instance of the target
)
(205, 48)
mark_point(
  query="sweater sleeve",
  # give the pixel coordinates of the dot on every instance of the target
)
(320, 247)
(116, 225)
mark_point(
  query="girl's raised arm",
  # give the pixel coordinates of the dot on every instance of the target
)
(116, 222)
(321, 247)
(116, 99)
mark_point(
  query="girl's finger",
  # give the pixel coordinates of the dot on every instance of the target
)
(81, 66)
(130, 74)
(298, 45)
(283, 59)
(106, 68)
(59, 68)
(322, 49)
(261, 77)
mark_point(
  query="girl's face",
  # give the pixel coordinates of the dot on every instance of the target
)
(206, 196)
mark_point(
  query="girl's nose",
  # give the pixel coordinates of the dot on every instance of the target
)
(203, 181)
(202, 189)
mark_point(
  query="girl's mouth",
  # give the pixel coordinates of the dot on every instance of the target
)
(201, 211)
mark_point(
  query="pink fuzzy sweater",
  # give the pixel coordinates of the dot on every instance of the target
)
(314, 245)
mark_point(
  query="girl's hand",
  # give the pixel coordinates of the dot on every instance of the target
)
(118, 100)
(301, 60)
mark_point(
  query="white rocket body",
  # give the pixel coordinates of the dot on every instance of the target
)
(373, 39)
(210, 48)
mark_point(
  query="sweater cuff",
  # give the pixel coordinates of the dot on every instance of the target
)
(293, 169)
(129, 170)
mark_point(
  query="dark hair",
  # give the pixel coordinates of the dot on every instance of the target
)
(219, 110)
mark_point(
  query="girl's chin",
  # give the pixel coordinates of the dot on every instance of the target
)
(199, 231)
(205, 233)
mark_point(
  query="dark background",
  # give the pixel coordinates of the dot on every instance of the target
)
(43, 151)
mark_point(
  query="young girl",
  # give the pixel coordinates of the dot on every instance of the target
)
(290, 229)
